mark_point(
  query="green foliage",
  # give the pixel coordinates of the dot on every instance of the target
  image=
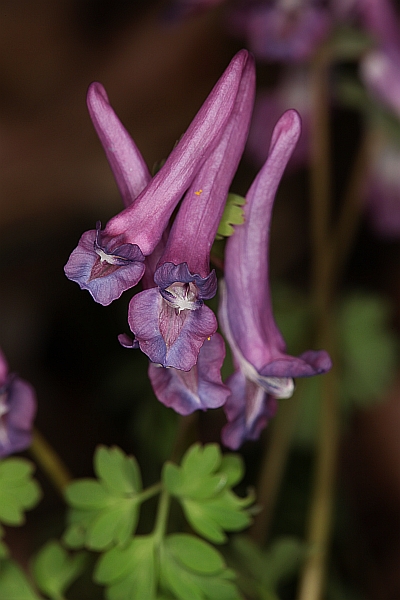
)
(106, 510)
(191, 568)
(261, 571)
(14, 585)
(18, 491)
(130, 571)
(202, 485)
(233, 215)
(55, 570)
(369, 348)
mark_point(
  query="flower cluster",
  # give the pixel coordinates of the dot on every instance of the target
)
(169, 319)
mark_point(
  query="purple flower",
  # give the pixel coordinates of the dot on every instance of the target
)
(17, 411)
(108, 262)
(185, 391)
(264, 371)
(198, 389)
(171, 321)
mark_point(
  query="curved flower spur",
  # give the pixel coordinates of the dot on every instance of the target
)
(264, 371)
(108, 262)
(171, 322)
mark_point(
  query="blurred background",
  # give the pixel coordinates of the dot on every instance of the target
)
(158, 61)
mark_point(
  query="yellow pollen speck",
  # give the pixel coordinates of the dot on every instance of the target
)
(209, 338)
(199, 192)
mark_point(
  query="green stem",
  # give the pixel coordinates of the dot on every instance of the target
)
(50, 462)
(320, 512)
(272, 468)
(162, 517)
(149, 492)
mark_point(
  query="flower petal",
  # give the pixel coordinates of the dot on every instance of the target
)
(140, 223)
(105, 281)
(127, 164)
(248, 410)
(169, 337)
(21, 402)
(246, 255)
(198, 389)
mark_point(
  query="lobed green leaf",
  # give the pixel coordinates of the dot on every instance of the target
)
(54, 569)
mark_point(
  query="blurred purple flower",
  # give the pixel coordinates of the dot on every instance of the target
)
(171, 321)
(17, 411)
(108, 262)
(282, 30)
(264, 371)
(293, 91)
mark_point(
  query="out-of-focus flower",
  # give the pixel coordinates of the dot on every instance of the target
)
(382, 188)
(294, 91)
(17, 411)
(282, 30)
(108, 262)
(171, 321)
(264, 371)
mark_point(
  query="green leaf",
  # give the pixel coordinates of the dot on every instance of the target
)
(190, 568)
(195, 554)
(14, 585)
(233, 215)
(18, 491)
(104, 511)
(202, 486)
(54, 569)
(129, 572)
(118, 472)
(261, 571)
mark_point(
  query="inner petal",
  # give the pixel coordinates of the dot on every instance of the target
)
(182, 296)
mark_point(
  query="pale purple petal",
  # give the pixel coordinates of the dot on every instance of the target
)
(127, 164)
(200, 388)
(140, 223)
(169, 337)
(379, 18)
(312, 362)
(246, 256)
(248, 410)
(107, 269)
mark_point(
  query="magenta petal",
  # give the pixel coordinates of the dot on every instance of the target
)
(169, 337)
(126, 161)
(198, 389)
(248, 410)
(105, 281)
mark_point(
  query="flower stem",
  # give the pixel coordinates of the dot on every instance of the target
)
(320, 515)
(162, 517)
(50, 462)
(272, 468)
